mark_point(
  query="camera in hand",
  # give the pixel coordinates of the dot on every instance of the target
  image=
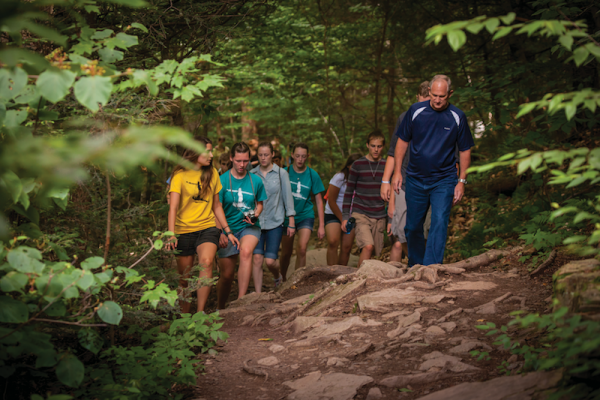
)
(250, 214)
(350, 225)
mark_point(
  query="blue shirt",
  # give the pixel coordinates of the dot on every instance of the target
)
(240, 197)
(434, 137)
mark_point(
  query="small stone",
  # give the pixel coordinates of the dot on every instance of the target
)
(435, 330)
(247, 319)
(488, 308)
(432, 355)
(469, 310)
(276, 348)
(275, 321)
(387, 356)
(422, 309)
(448, 326)
(395, 314)
(294, 366)
(512, 359)
(374, 394)
(337, 362)
(268, 361)
(450, 301)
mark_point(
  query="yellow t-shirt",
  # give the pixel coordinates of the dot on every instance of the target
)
(195, 213)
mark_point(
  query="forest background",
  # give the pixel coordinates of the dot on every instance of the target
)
(98, 98)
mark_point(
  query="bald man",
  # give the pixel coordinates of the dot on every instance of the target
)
(434, 129)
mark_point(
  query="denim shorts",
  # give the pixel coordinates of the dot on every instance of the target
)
(331, 218)
(307, 223)
(231, 250)
(187, 243)
(269, 242)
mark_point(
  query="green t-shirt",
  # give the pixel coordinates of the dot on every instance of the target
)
(239, 197)
(302, 186)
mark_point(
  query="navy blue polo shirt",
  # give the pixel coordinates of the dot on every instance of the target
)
(434, 137)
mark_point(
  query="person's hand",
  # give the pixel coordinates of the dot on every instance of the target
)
(291, 231)
(321, 232)
(459, 191)
(389, 229)
(248, 220)
(223, 241)
(344, 222)
(385, 191)
(171, 244)
(397, 183)
(234, 240)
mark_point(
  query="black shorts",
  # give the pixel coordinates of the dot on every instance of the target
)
(329, 218)
(187, 243)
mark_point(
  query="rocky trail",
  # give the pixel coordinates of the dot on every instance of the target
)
(382, 331)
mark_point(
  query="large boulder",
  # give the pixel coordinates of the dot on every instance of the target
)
(379, 269)
(577, 286)
(334, 386)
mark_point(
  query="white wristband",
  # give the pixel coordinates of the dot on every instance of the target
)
(385, 182)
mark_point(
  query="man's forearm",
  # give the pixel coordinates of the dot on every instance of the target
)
(389, 169)
(401, 147)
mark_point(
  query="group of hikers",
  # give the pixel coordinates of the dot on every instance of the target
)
(253, 206)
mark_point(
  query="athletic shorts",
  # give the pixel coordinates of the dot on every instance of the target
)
(187, 243)
(306, 223)
(369, 231)
(269, 242)
(231, 250)
(331, 218)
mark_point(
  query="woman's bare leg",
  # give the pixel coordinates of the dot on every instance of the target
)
(333, 231)
(206, 256)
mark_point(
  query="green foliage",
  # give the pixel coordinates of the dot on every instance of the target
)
(566, 342)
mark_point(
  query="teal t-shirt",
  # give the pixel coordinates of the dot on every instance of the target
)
(239, 197)
(302, 186)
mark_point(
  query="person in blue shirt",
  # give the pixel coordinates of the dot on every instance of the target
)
(242, 197)
(304, 181)
(434, 129)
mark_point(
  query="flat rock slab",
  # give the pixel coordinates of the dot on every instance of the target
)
(466, 285)
(518, 387)
(467, 346)
(384, 299)
(299, 299)
(268, 361)
(336, 295)
(301, 324)
(379, 269)
(449, 362)
(334, 386)
(336, 327)
(253, 298)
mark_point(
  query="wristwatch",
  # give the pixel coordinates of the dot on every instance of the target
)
(463, 181)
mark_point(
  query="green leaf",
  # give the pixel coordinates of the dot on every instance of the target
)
(90, 340)
(13, 184)
(508, 18)
(46, 359)
(13, 311)
(86, 280)
(92, 263)
(13, 281)
(70, 371)
(492, 24)
(580, 55)
(139, 26)
(26, 259)
(570, 110)
(122, 41)
(526, 109)
(56, 309)
(566, 40)
(12, 82)
(158, 244)
(502, 32)
(456, 39)
(110, 312)
(110, 55)
(15, 118)
(103, 34)
(92, 90)
(474, 28)
(54, 84)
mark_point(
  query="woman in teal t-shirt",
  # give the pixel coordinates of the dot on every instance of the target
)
(304, 181)
(242, 197)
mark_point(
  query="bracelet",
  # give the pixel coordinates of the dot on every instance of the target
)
(388, 182)
(292, 227)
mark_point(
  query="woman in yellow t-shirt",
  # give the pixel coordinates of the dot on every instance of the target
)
(194, 203)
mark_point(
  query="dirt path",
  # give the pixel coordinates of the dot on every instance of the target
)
(381, 339)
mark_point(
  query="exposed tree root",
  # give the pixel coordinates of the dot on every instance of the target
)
(545, 264)
(276, 311)
(254, 371)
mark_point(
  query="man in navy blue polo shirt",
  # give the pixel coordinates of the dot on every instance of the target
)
(434, 129)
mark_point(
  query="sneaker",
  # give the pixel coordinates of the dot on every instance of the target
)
(278, 282)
